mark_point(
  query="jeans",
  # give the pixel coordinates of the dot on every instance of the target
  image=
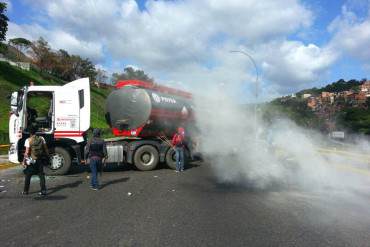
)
(94, 166)
(37, 169)
(179, 158)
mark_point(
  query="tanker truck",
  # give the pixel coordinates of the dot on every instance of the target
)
(142, 116)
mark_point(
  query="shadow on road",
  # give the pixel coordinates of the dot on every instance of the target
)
(50, 198)
(78, 169)
(188, 165)
(115, 181)
(63, 186)
(246, 186)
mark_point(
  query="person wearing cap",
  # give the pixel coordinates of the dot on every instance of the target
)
(178, 141)
(95, 152)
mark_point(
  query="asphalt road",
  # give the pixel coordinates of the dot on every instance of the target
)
(169, 209)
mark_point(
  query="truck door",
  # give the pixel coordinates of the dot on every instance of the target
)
(15, 125)
(72, 110)
(82, 86)
(67, 113)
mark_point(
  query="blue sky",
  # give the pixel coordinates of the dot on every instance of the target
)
(296, 44)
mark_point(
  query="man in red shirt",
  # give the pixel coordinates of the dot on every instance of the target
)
(178, 141)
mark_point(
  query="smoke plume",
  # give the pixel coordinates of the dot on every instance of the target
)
(243, 149)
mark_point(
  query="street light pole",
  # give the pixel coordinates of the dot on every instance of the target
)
(256, 89)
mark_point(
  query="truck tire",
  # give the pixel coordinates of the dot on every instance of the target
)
(171, 158)
(60, 162)
(146, 158)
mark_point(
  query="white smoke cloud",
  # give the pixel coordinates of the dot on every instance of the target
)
(243, 149)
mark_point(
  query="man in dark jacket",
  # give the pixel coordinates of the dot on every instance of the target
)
(95, 151)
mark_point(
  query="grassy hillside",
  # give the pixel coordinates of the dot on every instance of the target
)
(12, 78)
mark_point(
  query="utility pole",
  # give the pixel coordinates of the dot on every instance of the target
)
(256, 87)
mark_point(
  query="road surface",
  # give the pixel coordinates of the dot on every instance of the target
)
(176, 209)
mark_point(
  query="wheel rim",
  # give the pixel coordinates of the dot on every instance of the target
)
(147, 158)
(57, 161)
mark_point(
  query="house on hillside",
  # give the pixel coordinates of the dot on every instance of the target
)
(365, 87)
(312, 103)
(22, 65)
(103, 85)
(327, 97)
(360, 97)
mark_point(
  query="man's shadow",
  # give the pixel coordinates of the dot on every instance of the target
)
(64, 186)
(115, 181)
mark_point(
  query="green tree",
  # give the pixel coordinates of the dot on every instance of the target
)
(131, 74)
(63, 67)
(83, 68)
(3, 21)
(21, 44)
(101, 76)
(71, 67)
(42, 55)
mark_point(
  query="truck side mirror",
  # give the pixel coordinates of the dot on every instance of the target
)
(14, 99)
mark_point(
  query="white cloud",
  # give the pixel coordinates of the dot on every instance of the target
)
(58, 39)
(291, 64)
(66, 41)
(27, 31)
(351, 35)
(188, 41)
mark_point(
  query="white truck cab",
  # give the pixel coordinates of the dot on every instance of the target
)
(61, 114)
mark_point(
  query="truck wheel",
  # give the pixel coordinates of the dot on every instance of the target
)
(60, 162)
(171, 158)
(146, 158)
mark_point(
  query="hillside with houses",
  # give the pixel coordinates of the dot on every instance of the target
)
(340, 106)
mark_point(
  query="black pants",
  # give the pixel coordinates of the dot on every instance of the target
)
(34, 169)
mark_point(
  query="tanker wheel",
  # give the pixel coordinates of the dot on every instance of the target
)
(60, 162)
(171, 158)
(146, 158)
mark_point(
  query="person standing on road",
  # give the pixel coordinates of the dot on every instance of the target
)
(96, 152)
(35, 157)
(178, 141)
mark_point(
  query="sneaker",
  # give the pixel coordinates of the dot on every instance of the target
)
(24, 192)
(42, 193)
(94, 188)
(177, 171)
(182, 170)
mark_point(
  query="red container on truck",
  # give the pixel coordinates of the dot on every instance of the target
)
(147, 110)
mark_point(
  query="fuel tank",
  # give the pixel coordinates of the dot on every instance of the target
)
(147, 110)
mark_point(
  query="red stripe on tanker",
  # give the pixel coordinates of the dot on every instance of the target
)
(152, 108)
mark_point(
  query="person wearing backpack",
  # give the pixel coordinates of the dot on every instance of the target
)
(95, 152)
(34, 159)
(178, 141)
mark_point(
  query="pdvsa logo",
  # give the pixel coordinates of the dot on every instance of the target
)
(156, 98)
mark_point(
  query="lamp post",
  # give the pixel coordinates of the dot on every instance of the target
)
(256, 87)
